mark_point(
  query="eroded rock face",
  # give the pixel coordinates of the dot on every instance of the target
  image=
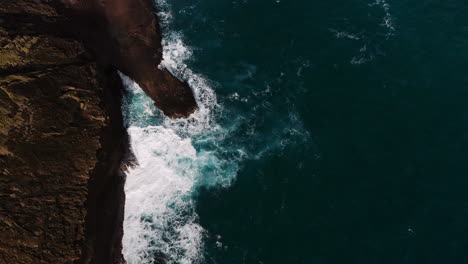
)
(126, 34)
(51, 128)
(61, 143)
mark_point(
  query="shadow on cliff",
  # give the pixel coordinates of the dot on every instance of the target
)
(106, 198)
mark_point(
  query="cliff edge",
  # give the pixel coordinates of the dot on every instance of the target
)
(62, 139)
(59, 110)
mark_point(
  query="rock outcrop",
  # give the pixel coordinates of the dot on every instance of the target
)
(61, 143)
(126, 34)
(62, 140)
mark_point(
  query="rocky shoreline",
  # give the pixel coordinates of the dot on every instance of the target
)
(62, 139)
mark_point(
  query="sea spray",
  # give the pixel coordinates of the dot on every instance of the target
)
(160, 218)
(175, 157)
(159, 213)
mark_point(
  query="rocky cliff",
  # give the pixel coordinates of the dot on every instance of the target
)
(62, 141)
(58, 111)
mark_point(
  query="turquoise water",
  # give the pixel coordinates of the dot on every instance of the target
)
(328, 132)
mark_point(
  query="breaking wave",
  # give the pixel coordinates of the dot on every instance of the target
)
(175, 157)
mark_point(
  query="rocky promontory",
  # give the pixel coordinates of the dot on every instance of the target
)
(126, 34)
(62, 140)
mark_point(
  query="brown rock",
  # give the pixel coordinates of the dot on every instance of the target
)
(126, 34)
(61, 143)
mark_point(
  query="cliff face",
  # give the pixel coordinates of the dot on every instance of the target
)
(62, 139)
(61, 143)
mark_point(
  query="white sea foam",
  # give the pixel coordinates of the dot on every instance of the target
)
(344, 34)
(387, 20)
(370, 42)
(174, 157)
(160, 218)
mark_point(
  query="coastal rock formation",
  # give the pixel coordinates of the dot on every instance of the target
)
(61, 143)
(126, 34)
(62, 139)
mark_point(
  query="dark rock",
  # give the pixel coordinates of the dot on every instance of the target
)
(126, 34)
(55, 147)
(62, 139)
(61, 143)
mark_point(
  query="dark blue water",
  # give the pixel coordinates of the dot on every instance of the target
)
(353, 120)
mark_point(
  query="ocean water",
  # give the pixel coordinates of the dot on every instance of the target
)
(328, 132)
